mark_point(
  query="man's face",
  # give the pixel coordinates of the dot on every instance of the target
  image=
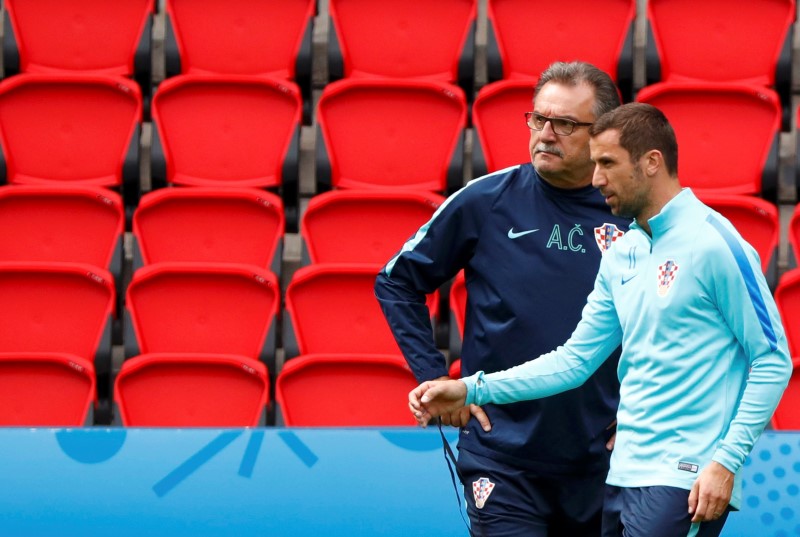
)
(563, 160)
(622, 182)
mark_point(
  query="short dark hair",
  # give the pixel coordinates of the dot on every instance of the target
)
(642, 128)
(606, 94)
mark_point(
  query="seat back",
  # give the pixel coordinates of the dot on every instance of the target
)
(403, 39)
(527, 36)
(345, 390)
(248, 37)
(707, 119)
(62, 223)
(206, 224)
(757, 221)
(363, 226)
(787, 415)
(794, 237)
(714, 39)
(331, 308)
(72, 129)
(202, 308)
(46, 389)
(458, 302)
(787, 298)
(458, 310)
(95, 36)
(501, 133)
(55, 307)
(191, 390)
(421, 143)
(226, 131)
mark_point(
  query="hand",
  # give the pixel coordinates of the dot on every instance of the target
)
(434, 398)
(710, 493)
(611, 442)
(613, 439)
(460, 417)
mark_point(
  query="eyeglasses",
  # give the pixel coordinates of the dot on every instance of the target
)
(561, 125)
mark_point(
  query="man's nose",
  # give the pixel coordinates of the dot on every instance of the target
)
(598, 178)
(548, 133)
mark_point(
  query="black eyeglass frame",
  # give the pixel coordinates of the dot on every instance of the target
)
(558, 123)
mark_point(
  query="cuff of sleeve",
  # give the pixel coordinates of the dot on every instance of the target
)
(473, 383)
(728, 458)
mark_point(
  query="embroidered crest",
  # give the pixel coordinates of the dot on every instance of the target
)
(605, 236)
(666, 275)
(481, 489)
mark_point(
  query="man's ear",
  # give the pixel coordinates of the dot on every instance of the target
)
(652, 161)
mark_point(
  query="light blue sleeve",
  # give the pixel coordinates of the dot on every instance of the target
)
(746, 304)
(597, 335)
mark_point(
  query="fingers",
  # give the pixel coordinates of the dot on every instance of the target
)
(417, 410)
(457, 418)
(703, 506)
(611, 441)
(693, 499)
(421, 416)
(707, 511)
(414, 396)
(430, 394)
(481, 416)
(433, 399)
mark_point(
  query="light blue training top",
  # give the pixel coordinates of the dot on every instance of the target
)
(704, 355)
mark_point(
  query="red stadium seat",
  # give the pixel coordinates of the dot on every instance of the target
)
(403, 39)
(243, 37)
(345, 390)
(62, 223)
(46, 389)
(363, 226)
(455, 369)
(787, 298)
(331, 308)
(77, 129)
(219, 308)
(59, 307)
(501, 134)
(715, 40)
(79, 36)
(421, 143)
(708, 118)
(205, 224)
(458, 309)
(526, 36)
(233, 131)
(757, 221)
(787, 415)
(191, 390)
(794, 237)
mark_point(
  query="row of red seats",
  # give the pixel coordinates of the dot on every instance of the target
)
(202, 288)
(245, 132)
(412, 38)
(199, 342)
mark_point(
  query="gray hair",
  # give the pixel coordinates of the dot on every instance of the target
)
(573, 73)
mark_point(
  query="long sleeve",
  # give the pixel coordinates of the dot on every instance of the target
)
(426, 261)
(748, 308)
(597, 335)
